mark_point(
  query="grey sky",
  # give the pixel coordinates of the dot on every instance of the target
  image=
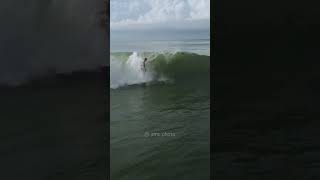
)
(159, 15)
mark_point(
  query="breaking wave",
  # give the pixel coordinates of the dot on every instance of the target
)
(126, 68)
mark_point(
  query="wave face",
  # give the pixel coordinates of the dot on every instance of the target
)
(173, 67)
(61, 36)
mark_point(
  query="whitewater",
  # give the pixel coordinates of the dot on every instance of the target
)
(128, 72)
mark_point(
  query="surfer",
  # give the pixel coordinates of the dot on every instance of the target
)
(144, 64)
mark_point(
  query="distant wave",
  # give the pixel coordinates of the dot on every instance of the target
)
(126, 67)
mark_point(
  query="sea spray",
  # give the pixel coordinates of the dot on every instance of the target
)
(128, 72)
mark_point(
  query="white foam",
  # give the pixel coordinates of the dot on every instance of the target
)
(128, 72)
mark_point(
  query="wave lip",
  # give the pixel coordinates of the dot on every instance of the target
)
(127, 71)
(126, 68)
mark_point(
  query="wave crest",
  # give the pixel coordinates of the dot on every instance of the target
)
(126, 68)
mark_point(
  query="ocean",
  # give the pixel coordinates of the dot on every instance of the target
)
(53, 73)
(160, 117)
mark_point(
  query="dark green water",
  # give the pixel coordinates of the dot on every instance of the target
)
(161, 130)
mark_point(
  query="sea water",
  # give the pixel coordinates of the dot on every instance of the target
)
(160, 118)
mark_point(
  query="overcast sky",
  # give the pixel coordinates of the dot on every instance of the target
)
(157, 15)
